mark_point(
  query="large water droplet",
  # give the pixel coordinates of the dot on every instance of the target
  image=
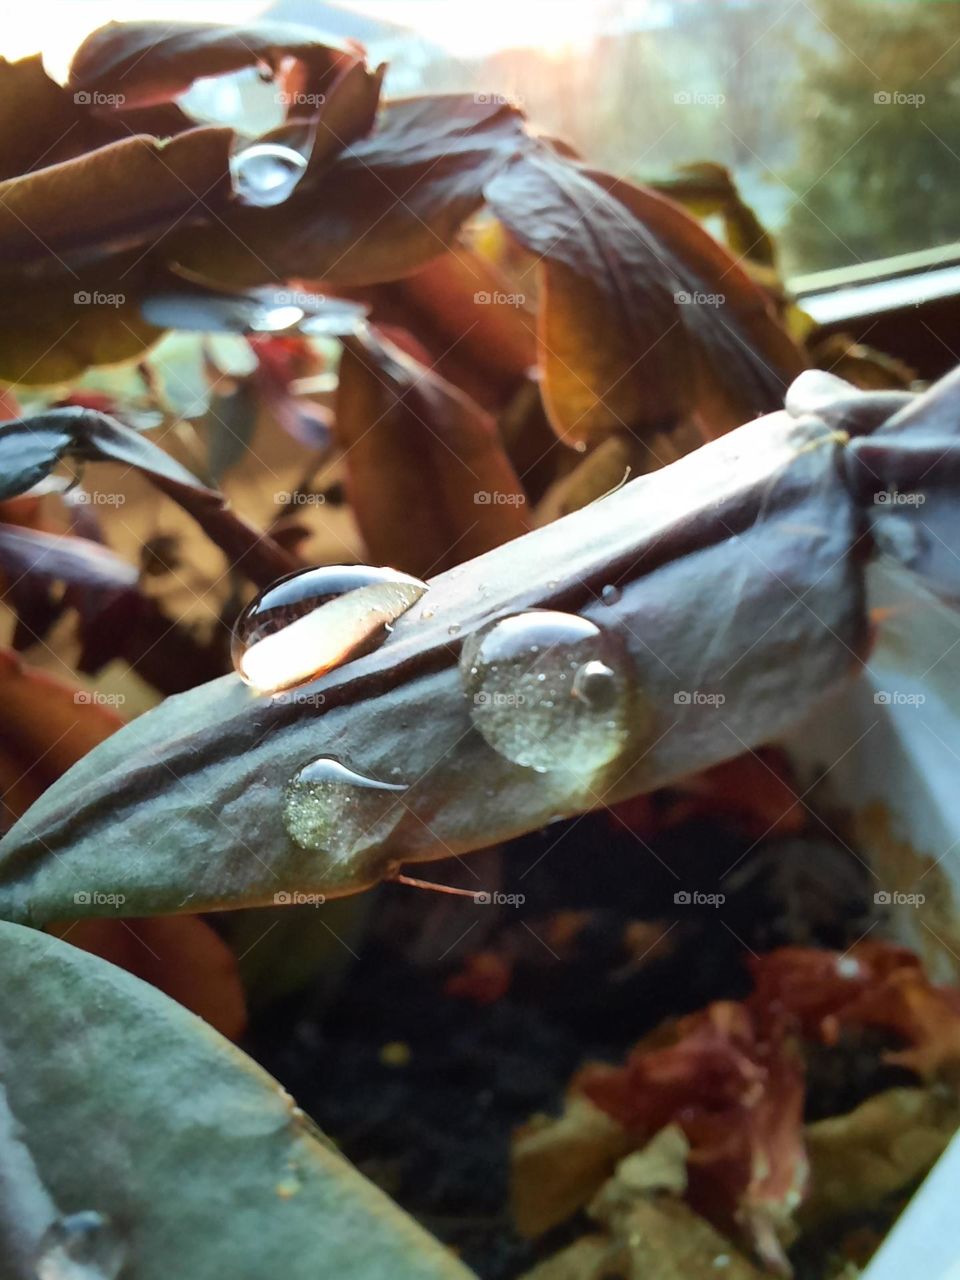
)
(316, 619)
(548, 690)
(265, 173)
(329, 808)
(80, 1246)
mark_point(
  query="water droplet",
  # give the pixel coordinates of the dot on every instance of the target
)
(548, 690)
(265, 173)
(610, 594)
(316, 619)
(453, 629)
(80, 1246)
(329, 808)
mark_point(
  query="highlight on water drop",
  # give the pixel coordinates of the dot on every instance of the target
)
(548, 690)
(316, 619)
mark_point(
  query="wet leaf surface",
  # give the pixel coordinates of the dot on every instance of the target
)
(235, 1148)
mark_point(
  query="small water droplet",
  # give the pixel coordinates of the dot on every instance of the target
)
(453, 629)
(265, 173)
(80, 1246)
(548, 690)
(317, 619)
(427, 614)
(329, 808)
(610, 594)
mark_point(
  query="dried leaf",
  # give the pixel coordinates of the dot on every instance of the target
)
(882, 1147)
(423, 458)
(669, 307)
(558, 1165)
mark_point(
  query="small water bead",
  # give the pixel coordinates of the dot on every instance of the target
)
(266, 173)
(80, 1246)
(329, 808)
(316, 619)
(548, 690)
(610, 594)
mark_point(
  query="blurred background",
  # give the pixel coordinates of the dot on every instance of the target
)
(837, 118)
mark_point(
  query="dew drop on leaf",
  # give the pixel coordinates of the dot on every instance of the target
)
(548, 690)
(265, 173)
(80, 1246)
(610, 594)
(329, 808)
(315, 619)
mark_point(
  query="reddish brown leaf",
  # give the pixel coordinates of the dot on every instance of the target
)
(423, 458)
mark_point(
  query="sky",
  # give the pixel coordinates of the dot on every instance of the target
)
(463, 27)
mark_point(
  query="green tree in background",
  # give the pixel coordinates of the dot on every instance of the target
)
(879, 119)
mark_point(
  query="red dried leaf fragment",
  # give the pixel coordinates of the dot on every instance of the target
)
(737, 1094)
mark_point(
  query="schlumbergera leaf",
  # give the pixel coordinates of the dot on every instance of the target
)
(676, 327)
(197, 785)
(234, 1147)
(31, 447)
(421, 457)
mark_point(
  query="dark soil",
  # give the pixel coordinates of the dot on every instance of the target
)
(422, 1089)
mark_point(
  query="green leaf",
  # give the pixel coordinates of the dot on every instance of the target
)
(202, 1162)
(182, 810)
